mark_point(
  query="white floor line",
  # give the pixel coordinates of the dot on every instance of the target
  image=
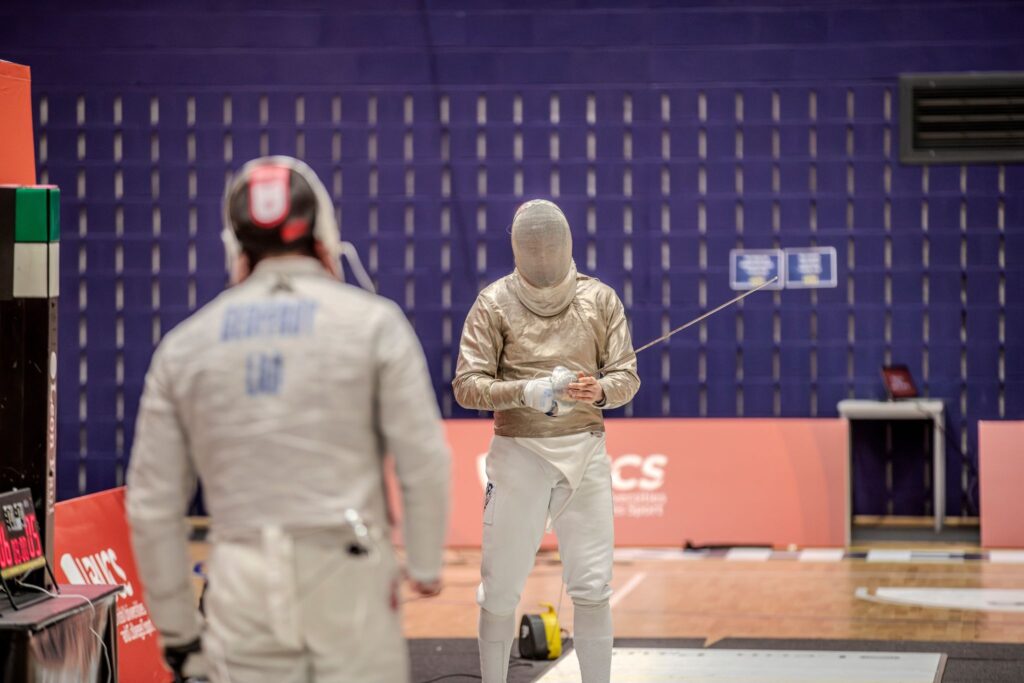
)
(669, 665)
(978, 599)
(1006, 556)
(749, 554)
(822, 555)
(887, 555)
(619, 595)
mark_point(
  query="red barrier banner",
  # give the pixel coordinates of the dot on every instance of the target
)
(17, 148)
(730, 481)
(735, 481)
(1001, 471)
(92, 546)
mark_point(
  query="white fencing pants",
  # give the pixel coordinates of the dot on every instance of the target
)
(524, 489)
(312, 613)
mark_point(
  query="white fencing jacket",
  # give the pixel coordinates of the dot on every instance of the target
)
(283, 395)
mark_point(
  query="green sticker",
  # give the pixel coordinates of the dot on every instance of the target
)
(30, 221)
(54, 214)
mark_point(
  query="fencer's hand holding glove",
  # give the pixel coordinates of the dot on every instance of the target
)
(539, 395)
(587, 389)
(186, 661)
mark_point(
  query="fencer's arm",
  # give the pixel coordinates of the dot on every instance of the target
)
(476, 385)
(161, 482)
(620, 383)
(414, 435)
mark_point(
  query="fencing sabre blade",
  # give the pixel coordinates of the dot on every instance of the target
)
(704, 316)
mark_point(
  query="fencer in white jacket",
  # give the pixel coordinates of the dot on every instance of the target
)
(282, 396)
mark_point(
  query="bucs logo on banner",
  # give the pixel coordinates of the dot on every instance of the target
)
(710, 481)
(92, 547)
(637, 483)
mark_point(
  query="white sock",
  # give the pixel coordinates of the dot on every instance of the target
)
(495, 641)
(592, 640)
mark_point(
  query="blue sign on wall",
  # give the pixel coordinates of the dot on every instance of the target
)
(749, 268)
(811, 268)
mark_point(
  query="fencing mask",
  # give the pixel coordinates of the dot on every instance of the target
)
(545, 277)
(276, 202)
(266, 205)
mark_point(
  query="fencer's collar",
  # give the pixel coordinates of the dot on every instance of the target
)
(289, 265)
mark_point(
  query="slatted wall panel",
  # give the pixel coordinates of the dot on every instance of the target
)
(670, 133)
(659, 184)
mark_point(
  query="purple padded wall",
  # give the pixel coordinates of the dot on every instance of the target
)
(670, 132)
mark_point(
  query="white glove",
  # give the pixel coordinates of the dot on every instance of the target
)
(562, 408)
(561, 378)
(539, 395)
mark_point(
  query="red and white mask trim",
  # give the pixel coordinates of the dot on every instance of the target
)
(270, 195)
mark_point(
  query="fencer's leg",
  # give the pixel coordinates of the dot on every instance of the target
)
(495, 641)
(240, 643)
(586, 541)
(349, 611)
(515, 514)
(592, 640)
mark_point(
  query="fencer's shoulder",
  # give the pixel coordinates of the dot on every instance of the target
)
(591, 287)
(497, 295)
(347, 302)
(346, 297)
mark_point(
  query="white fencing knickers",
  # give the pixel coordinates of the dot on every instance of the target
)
(523, 489)
(303, 609)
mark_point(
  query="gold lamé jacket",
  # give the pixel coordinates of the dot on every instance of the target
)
(504, 345)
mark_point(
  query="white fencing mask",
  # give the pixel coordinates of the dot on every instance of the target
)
(545, 277)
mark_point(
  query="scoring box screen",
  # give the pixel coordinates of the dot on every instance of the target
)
(20, 548)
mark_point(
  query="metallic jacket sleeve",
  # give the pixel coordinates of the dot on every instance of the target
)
(621, 382)
(476, 382)
(410, 423)
(161, 483)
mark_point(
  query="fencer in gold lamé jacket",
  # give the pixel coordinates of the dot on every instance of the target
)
(505, 344)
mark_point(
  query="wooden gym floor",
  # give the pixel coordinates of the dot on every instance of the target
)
(715, 598)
